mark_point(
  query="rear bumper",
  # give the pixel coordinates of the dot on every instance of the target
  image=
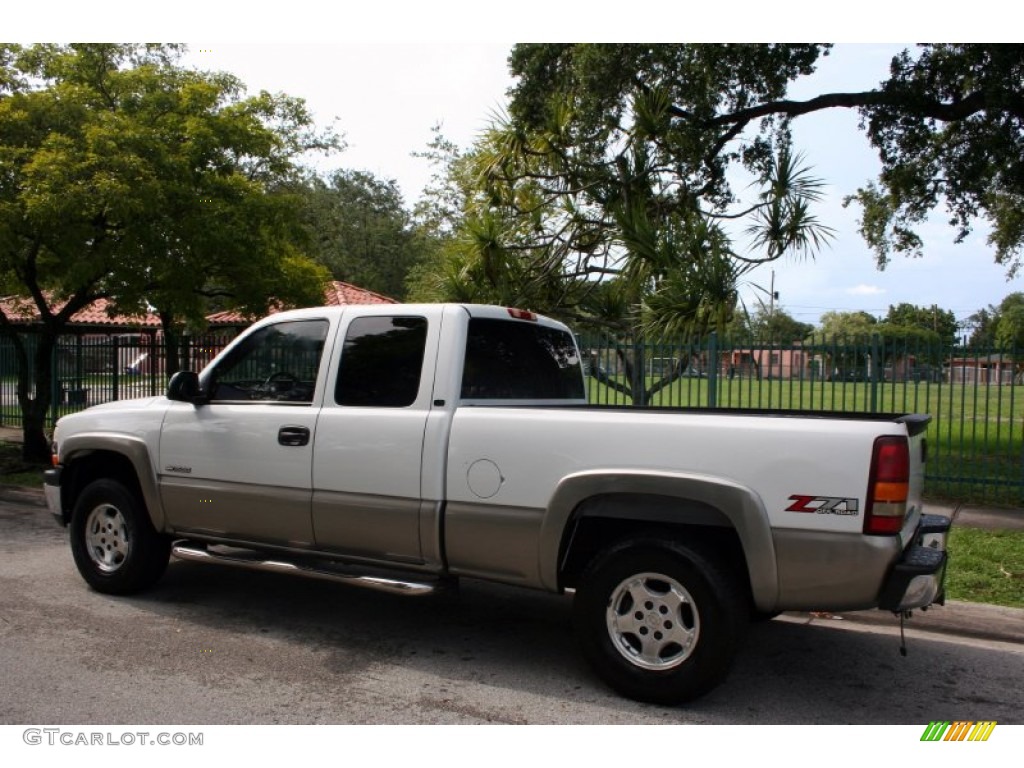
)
(917, 578)
(51, 489)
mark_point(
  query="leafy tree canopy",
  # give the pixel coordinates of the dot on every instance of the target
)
(836, 324)
(948, 124)
(361, 231)
(1009, 322)
(593, 177)
(941, 322)
(997, 326)
(769, 325)
(946, 121)
(128, 177)
(592, 200)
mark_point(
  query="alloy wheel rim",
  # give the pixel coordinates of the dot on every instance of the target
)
(652, 621)
(106, 538)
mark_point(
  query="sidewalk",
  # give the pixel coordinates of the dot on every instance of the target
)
(12, 434)
(988, 518)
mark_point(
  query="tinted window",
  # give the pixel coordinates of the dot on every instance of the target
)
(278, 363)
(381, 361)
(520, 361)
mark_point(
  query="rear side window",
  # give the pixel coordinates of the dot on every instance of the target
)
(507, 360)
(381, 362)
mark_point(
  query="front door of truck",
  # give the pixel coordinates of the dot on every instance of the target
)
(239, 467)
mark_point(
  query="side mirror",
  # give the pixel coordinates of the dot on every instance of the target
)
(184, 388)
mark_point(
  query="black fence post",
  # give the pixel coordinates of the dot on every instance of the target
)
(116, 368)
(55, 388)
(875, 361)
(713, 370)
(157, 365)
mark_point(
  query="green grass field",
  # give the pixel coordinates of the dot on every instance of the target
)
(986, 567)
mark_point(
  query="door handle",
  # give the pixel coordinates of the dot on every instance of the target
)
(293, 436)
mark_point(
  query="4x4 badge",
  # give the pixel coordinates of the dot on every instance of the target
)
(823, 505)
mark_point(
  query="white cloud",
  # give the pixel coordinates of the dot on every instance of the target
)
(865, 290)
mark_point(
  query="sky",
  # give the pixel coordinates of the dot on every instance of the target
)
(384, 74)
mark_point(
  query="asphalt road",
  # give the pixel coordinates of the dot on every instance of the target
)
(216, 646)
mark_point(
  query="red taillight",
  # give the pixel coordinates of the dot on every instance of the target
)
(522, 314)
(888, 486)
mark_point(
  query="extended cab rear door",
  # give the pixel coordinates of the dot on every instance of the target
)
(369, 437)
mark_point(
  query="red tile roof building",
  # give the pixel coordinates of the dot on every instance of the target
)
(20, 310)
(336, 294)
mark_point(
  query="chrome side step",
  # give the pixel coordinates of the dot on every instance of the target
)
(199, 554)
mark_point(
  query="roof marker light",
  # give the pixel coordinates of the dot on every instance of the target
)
(522, 314)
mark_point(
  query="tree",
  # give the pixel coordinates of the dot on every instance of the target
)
(841, 325)
(982, 325)
(129, 178)
(941, 322)
(574, 191)
(594, 135)
(856, 338)
(1009, 324)
(845, 338)
(946, 121)
(361, 231)
(439, 210)
(777, 326)
(998, 326)
(948, 128)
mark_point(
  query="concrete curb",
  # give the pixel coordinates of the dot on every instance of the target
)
(955, 618)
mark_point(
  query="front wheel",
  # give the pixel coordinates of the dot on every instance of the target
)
(115, 546)
(658, 621)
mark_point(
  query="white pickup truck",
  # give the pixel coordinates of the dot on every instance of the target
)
(399, 447)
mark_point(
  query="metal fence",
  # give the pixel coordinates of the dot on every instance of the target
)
(88, 370)
(975, 396)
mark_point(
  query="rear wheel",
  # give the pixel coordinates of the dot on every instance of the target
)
(658, 621)
(115, 546)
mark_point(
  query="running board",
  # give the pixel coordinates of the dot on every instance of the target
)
(196, 554)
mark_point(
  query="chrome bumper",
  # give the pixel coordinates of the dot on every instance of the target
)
(51, 489)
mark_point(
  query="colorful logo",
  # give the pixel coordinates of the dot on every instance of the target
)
(959, 730)
(823, 505)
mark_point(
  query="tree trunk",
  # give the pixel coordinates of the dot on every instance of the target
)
(638, 377)
(36, 446)
(34, 410)
(172, 344)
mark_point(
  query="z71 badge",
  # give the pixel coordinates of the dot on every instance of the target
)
(823, 505)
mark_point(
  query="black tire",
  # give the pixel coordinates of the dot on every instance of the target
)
(115, 546)
(675, 645)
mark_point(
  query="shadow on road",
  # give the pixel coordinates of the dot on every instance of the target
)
(507, 638)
